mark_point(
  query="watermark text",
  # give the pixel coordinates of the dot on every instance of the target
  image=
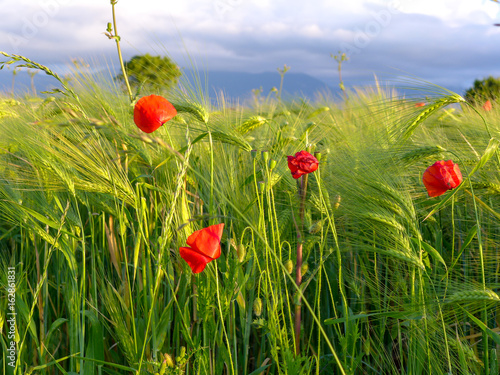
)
(31, 25)
(11, 317)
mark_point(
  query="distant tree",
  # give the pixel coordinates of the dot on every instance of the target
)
(485, 89)
(156, 73)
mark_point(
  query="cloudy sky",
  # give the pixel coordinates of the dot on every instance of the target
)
(448, 42)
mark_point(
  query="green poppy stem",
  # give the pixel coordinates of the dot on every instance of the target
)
(298, 269)
(195, 298)
(117, 40)
(298, 310)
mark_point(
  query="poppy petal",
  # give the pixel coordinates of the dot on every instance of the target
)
(194, 259)
(308, 166)
(455, 174)
(298, 173)
(433, 181)
(302, 163)
(152, 111)
(292, 164)
(207, 240)
(441, 177)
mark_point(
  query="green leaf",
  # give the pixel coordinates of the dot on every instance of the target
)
(443, 202)
(405, 315)
(24, 311)
(196, 140)
(429, 249)
(470, 236)
(44, 366)
(55, 325)
(494, 336)
(488, 153)
(121, 367)
(259, 370)
(95, 346)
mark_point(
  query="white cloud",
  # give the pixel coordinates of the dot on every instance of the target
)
(312, 31)
(415, 35)
(454, 12)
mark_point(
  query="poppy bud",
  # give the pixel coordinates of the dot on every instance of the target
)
(265, 156)
(262, 186)
(241, 252)
(289, 266)
(257, 306)
(304, 268)
(272, 164)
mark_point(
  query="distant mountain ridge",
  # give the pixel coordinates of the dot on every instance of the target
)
(234, 85)
(241, 84)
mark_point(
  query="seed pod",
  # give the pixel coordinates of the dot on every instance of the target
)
(265, 156)
(304, 268)
(262, 186)
(257, 306)
(289, 266)
(253, 153)
(241, 252)
(317, 155)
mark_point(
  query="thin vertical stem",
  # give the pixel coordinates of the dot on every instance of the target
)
(298, 270)
(195, 298)
(117, 40)
(222, 319)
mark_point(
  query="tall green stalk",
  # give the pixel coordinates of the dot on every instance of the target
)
(117, 38)
(298, 267)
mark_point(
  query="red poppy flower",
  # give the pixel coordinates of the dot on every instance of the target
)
(441, 177)
(302, 163)
(152, 111)
(204, 246)
(421, 104)
(487, 106)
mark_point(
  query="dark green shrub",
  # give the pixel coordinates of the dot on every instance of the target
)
(485, 89)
